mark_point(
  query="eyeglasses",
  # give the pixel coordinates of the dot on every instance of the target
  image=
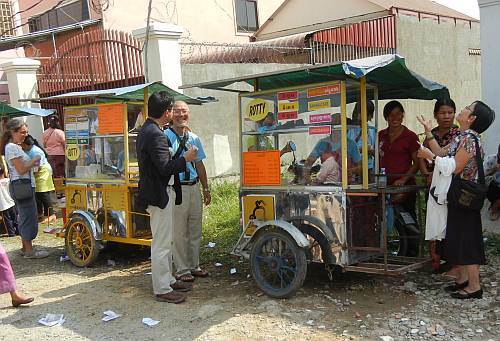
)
(468, 108)
(180, 111)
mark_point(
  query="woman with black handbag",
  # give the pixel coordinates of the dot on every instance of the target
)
(464, 245)
(22, 184)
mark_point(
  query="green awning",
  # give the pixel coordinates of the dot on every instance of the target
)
(389, 72)
(134, 93)
(10, 111)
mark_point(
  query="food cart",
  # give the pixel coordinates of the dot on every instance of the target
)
(290, 219)
(102, 173)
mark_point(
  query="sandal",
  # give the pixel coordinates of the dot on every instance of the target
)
(456, 286)
(465, 295)
(200, 273)
(185, 278)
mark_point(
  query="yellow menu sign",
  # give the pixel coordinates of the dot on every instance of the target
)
(72, 152)
(257, 109)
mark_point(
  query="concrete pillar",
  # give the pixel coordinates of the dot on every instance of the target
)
(21, 78)
(490, 71)
(164, 62)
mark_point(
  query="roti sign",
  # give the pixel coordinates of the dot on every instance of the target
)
(257, 109)
(72, 152)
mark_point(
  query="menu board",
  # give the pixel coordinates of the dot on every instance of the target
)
(110, 119)
(261, 168)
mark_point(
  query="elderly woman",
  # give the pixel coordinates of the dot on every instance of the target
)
(21, 167)
(463, 244)
(444, 133)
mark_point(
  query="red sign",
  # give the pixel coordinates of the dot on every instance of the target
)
(324, 90)
(288, 115)
(320, 130)
(320, 118)
(288, 95)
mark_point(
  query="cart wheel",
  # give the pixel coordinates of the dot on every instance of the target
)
(81, 246)
(278, 264)
(397, 241)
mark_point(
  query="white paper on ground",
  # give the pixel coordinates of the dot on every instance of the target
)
(150, 322)
(232, 271)
(211, 245)
(148, 273)
(218, 265)
(110, 315)
(63, 258)
(51, 320)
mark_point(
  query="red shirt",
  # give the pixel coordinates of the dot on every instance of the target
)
(395, 157)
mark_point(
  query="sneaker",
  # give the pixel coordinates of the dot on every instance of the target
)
(36, 254)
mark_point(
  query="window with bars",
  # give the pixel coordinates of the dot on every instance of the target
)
(72, 13)
(7, 22)
(246, 15)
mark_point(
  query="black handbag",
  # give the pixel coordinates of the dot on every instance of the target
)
(467, 194)
(21, 189)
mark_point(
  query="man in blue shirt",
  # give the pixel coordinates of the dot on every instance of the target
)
(331, 146)
(354, 133)
(188, 215)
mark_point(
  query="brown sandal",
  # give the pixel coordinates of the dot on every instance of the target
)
(200, 273)
(185, 278)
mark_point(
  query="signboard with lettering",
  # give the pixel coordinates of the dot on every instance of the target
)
(257, 109)
(261, 168)
(320, 130)
(72, 152)
(288, 115)
(110, 119)
(288, 106)
(320, 118)
(315, 105)
(288, 96)
(324, 91)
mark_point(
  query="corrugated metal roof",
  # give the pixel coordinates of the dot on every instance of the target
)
(426, 6)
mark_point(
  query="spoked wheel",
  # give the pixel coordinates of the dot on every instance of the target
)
(81, 246)
(278, 264)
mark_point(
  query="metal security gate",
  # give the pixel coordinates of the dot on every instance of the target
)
(99, 59)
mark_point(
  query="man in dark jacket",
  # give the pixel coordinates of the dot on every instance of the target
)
(159, 188)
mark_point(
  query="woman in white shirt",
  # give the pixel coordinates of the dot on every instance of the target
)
(21, 167)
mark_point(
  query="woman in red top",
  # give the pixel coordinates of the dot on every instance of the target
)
(398, 147)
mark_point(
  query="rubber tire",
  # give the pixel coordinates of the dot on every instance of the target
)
(300, 259)
(94, 248)
(403, 241)
(319, 237)
(413, 245)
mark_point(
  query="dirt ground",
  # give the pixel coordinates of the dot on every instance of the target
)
(224, 306)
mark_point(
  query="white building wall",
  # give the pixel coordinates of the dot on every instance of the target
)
(490, 70)
(203, 21)
(440, 52)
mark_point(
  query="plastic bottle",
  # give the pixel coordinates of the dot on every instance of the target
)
(382, 179)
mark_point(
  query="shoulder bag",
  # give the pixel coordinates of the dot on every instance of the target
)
(21, 189)
(468, 194)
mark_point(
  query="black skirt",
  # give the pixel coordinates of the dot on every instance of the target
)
(464, 243)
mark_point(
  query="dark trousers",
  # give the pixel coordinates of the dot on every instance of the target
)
(9, 218)
(45, 203)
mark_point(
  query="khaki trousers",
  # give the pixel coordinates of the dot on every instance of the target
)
(161, 245)
(187, 232)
